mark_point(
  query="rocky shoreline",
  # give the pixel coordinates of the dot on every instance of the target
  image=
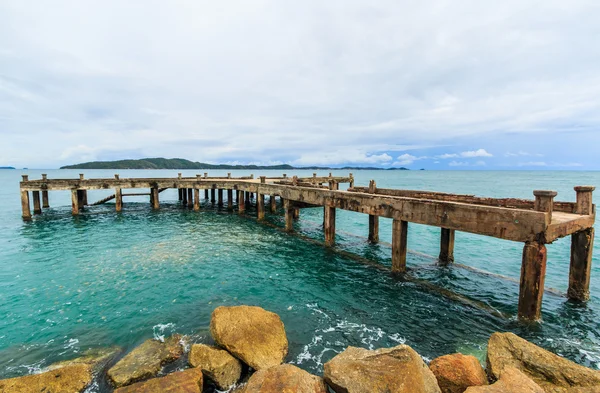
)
(251, 345)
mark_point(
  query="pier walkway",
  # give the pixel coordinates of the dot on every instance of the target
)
(533, 222)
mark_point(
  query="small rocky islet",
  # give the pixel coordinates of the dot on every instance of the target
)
(251, 346)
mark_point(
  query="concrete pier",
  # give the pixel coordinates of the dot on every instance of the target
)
(534, 223)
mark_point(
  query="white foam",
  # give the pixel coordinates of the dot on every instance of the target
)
(158, 331)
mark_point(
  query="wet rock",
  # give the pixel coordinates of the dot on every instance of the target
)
(97, 358)
(511, 381)
(456, 372)
(188, 381)
(251, 334)
(386, 370)
(218, 365)
(145, 361)
(552, 372)
(284, 378)
(72, 379)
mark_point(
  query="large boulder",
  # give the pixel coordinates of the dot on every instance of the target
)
(97, 358)
(72, 379)
(456, 372)
(252, 334)
(218, 365)
(284, 378)
(386, 370)
(188, 381)
(511, 381)
(145, 361)
(552, 372)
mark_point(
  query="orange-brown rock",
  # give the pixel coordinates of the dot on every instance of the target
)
(552, 372)
(511, 381)
(72, 379)
(216, 364)
(145, 361)
(456, 372)
(386, 370)
(188, 381)
(251, 334)
(284, 378)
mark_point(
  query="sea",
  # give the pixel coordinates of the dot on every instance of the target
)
(72, 283)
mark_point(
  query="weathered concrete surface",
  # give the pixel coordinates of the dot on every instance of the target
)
(97, 358)
(552, 372)
(69, 379)
(386, 370)
(285, 378)
(252, 334)
(145, 361)
(218, 365)
(511, 381)
(187, 381)
(456, 372)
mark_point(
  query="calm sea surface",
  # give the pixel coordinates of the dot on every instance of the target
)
(72, 283)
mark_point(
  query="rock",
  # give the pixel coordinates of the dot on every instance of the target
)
(386, 370)
(284, 378)
(145, 361)
(455, 373)
(97, 358)
(251, 334)
(552, 372)
(72, 379)
(218, 365)
(188, 381)
(511, 381)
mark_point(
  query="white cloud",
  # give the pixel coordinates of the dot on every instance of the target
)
(522, 153)
(458, 163)
(475, 153)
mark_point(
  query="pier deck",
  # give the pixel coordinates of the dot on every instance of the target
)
(533, 222)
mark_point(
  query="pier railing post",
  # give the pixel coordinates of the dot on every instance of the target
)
(196, 199)
(447, 246)
(288, 209)
(582, 245)
(399, 245)
(533, 273)
(373, 220)
(544, 201)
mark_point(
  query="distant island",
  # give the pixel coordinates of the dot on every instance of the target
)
(180, 163)
(7, 167)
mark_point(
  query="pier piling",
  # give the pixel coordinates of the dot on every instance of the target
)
(582, 245)
(446, 246)
(25, 206)
(37, 207)
(373, 220)
(196, 199)
(399, 245)
(75, 202)
(533, 274)
(220, 197)
(118, 200)
(230, 198)
(288, 209)
(273, 203)
(329, 225)
(260, 206)
(155, 200)
(240, 200)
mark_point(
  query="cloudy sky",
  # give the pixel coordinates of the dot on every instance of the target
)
(436, 84)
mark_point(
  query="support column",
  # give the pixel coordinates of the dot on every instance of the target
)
(297, 213)
(75, 202)
(399, 245)
(118, 200)
(190, 196)
(230, 199)
(84, 197)
(447, 246)
(45, 203)
(220, 197)
(582, 245)
(196, 199)
(37, 208)
(241, 203)
(184, 197)
(25, 205)
(212, 195)
(533, 273)
(329, 225)
(206, 193)
(273, 204)
(247, 197)
(288, 209)
(155, 200)
(373, 228)
(260, 206)
(239, 197)
(81, 197)
(180, 194)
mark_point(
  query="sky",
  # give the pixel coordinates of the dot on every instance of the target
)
(437, 84)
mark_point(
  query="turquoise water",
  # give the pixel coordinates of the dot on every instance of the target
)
(102, 278)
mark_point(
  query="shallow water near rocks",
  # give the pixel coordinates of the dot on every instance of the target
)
(101, 279)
